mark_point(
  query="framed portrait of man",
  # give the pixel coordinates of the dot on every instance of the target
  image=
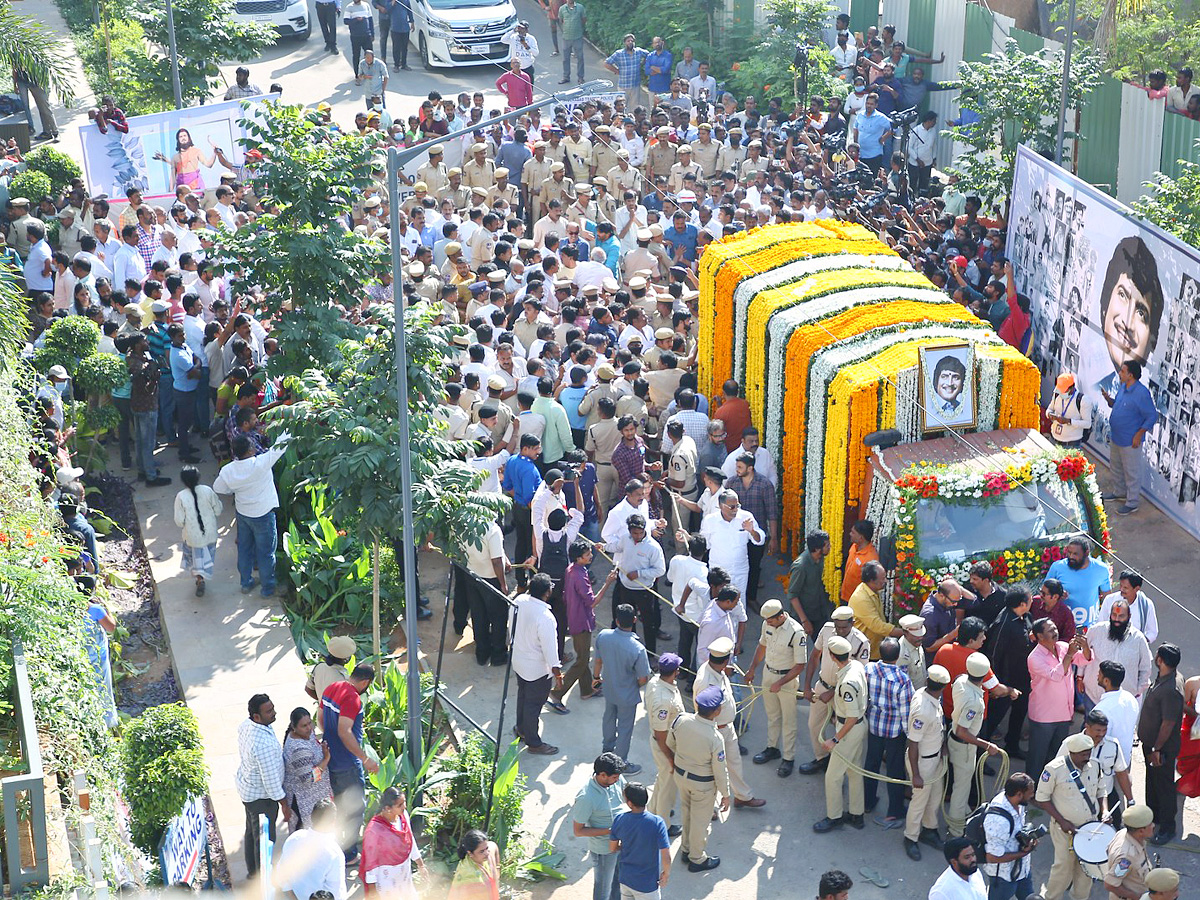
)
(947, 386)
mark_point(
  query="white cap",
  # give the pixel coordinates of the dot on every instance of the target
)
(977, 665)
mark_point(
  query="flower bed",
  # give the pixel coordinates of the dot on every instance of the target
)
(917, 574)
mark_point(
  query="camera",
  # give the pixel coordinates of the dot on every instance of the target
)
(1029, 834)
(844, 191)
(834, 143)
(800, 58)
(905, 117)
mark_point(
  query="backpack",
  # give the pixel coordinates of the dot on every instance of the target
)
(973, 830)
(554, 557)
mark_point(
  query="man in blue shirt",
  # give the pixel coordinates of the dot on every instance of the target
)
(609, 244)
(681, 239)
(627, 64)
(621, 660)
(521, 481)
(185, 379)
(658, 69)
(639, 838)
(1133, 415)
(872, 131)
(1084, 578)
(513, 155)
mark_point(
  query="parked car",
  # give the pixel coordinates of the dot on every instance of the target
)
(451, 33)
(289, 17)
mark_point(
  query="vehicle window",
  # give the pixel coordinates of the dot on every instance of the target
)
(956, 529)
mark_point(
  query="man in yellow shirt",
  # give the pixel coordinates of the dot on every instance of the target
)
(867, 604)
(861, 551)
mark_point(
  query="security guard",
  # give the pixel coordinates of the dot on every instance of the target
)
(663, 706)
(912, 653)
(964, 738)
(604, 152)
(926, 745)
(623, 177)
(1162, 884)
(706, 151)
(712, 673)
(502, 190)
(850, 734)
(841, 624)
(583, 209)
(1114, 767)
(660, 156)
(556, 187)
(730, 158)
(433, 172)
(455, 191)
(479, 171)
(1128, 864)
(1069, 791)
(700, 774)
(684, 166)
(782, 650)
(533, 173)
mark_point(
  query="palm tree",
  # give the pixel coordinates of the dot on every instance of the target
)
(31, 47)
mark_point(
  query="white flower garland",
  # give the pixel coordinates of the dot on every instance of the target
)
(784, 322)
(829, 361)
(989, 392)
(908, 386)
(774, 279)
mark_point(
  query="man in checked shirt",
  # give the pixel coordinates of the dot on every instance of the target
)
(890, 691)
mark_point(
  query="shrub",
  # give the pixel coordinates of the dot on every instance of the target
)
(59, 167)
(31, 183)
(69, 340)
(101, 373)
(162, 766)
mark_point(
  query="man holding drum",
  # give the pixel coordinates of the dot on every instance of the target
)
(1069, 792)
(1128, 865)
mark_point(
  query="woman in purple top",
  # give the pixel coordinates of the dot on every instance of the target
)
(581, 605)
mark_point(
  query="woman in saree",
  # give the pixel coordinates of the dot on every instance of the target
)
(477, 876)
(389, 851)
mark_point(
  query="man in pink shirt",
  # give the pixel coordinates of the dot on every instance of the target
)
(515, 85)
(1052, 695)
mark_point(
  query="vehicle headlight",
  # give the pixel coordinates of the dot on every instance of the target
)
(440, 26)
(510, 21)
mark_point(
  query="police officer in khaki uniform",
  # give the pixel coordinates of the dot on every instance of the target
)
(556, 187)
(700, 774)
(660, 156)
(583, 209)
(731, 157)
(604, 152)
(712, 673)
(782, 650)
(433, 172)
(663, 706)
(685, 166)
(840, 624)
(606, 203)
(533, 173)
(455, 191)
(1069, 791)
(926, 746)
(965, 724)
(912, 653)
(1128, 864)
(502, 190)
(479, 171)
(623, 177)
(1162, 884)
(849, 738)
(706, 151)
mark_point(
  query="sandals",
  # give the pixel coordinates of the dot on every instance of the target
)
(874, 877)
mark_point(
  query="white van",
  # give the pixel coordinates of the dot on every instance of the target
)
(289, 17)
(452, 33)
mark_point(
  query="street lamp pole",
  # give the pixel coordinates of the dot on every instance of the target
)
(1066, 80)
(174, 55)
(396, 160)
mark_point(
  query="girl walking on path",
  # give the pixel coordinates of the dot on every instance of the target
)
(196, 509)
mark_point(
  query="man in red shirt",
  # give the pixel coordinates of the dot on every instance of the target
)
(734, 412)
(953, 657)
(1015, 330)
(342, 729)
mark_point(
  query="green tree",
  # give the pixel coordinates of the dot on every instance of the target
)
(301, 251)
(33, 48)
(1173, 204)
(206, 35)
(767, 70)
(1016, 96)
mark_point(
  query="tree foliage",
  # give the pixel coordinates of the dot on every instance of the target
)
(767, 70)
(1173, 203)
(34, 48)
(1016, 97)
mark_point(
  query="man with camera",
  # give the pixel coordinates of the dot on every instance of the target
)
(1008, 841)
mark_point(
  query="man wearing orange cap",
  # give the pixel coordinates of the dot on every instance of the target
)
(1069, 412)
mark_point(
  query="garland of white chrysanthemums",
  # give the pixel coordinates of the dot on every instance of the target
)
(908, 423)
(783, 323)
(828, 362)
(989, 392)
(775, 279)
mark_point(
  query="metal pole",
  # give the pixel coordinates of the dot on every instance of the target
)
(1066, 79)
(174, 55)
(437, 670)
(396, 160)
(487, 819)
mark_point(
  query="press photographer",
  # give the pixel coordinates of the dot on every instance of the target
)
(1008, 841)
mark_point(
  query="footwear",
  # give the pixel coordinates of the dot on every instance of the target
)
(931, 837)
(873, 876)
(742, 751)
(579, 81)
(517, 734)
(870, 807)
(813, 766)
(1107, 496)
(631, 769)
(423, 614)
(406, 68)
(675, 831)
(543, 749)
(826, 825)
(158, 482)
(200, 588)
(558, 706)
(598, 692)
(1126, 510)
(855, 821)
(555, 53)
(424, 601)
(785, 768)
(1163, 836)
(352, 859)
(887, 824)
(766, 756)
(1014, 752)
(710, 862)
(913, 851)
(126, 466)
(752, 803)
(268, 593)
(665, 636)
(565, 81)
(247, 588)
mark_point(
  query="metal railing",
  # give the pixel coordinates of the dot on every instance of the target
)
(20, 876)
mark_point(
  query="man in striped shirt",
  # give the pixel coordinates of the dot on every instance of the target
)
(890, 691)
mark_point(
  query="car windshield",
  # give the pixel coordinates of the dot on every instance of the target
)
(459, 4)
(960, 528)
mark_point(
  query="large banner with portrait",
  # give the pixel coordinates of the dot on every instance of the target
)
(192, 147)
(1107, 287)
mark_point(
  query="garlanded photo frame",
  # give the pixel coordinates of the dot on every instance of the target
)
(947, 379)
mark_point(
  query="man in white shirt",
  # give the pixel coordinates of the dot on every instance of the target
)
(250, 481)
(535, 660)
(639, 562)
(1178, 96)
(1121, 707)
(1006, 861)
(703, 86)
(489, 463)
(127, 264)
(729, 531)
(259, 776)
(762, 457)
(635, 502)
(922, 149)
(1117, 640)
(523, 47)
(312, 860)
(225, 208)
(962, 879)
(1142, 615)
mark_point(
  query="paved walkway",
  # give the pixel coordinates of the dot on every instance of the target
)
(68, 117)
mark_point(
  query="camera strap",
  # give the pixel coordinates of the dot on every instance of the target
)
(1078, 779)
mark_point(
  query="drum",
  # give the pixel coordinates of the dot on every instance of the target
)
(1091, 847)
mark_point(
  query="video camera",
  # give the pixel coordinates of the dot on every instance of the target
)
(905, 117)
(1028, 835)
(800, 57)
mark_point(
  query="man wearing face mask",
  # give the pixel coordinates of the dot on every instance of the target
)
(1118, 641)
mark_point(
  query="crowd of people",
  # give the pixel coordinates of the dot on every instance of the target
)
(567, 246)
